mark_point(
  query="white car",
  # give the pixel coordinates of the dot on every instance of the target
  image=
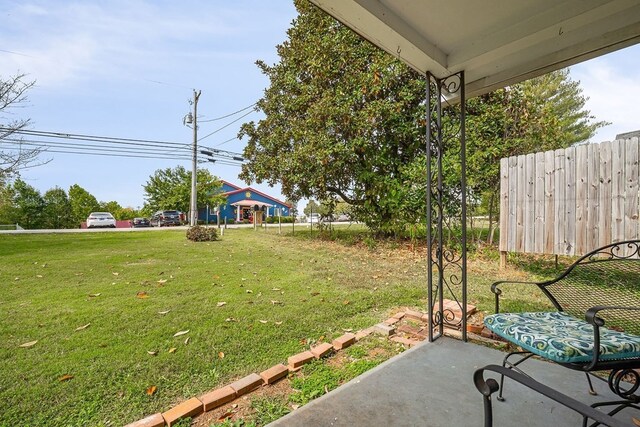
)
(101, 219)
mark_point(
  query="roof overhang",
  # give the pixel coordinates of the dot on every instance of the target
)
(247, 202)
(495, 42)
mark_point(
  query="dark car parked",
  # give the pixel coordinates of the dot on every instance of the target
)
(140, 222)
(165, 218)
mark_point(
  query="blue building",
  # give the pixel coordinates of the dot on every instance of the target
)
(242, 203)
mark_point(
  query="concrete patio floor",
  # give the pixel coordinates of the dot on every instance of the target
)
(431, 385)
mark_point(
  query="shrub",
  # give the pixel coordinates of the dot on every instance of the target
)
(202, 234)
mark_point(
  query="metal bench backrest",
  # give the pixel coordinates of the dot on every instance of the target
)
(608, 276)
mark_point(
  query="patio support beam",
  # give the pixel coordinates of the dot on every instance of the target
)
(446, 206)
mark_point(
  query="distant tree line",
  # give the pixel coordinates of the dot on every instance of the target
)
(21, 203)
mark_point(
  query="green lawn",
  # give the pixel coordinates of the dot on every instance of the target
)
(302, 289)
(248, 301)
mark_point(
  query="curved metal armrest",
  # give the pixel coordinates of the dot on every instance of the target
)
(495, 288)
(489, 386)
(591, 316)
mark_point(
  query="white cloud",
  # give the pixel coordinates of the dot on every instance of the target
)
(60, 46)
(612, 83)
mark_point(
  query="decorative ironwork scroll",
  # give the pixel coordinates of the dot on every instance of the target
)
(446, 205)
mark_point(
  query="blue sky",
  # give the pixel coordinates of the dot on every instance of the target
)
(127, 68)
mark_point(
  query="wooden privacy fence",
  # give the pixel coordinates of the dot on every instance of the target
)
(570, 201)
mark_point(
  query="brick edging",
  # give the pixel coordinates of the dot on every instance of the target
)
(227, 393)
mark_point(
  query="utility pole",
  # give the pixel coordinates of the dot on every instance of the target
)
(193, 220)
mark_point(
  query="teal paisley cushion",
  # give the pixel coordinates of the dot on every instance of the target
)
(560, 337)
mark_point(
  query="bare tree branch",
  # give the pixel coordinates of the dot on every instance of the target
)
(14, 157)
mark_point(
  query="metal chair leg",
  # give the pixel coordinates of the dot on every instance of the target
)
(507, 364)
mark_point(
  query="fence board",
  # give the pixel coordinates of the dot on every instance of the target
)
(604, 208)
(593, 204)
(539, 201)
(631, 189)
(529, 211)
(617, 192)
(504, 203)
(570, 197)
(513, 200)
(550, 202)
(559, 178)
(580, 199)
(520, 194)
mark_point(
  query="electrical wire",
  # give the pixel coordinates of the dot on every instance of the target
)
(224, 142)
(110, 140)
(228, 115)
(71, 148)
(227, 125)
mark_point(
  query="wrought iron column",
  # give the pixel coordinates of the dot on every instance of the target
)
(446, 205)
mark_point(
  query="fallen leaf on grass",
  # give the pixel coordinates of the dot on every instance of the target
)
(39, 276)
(152, 353)
(151, 390)
(79, 328)
(348, 330)
(230, 319)
(225, 416)
(95, 295)
(115, 273)
(221, 355)
(29, 344)
(172, 350)
(274, 302)
(263, 321)
(278, 323)
(177, 334)
(162, 281)
(164, 312)
(65, 377)
(275, 289)
(221, 303)
(142, 294)
(249, 291)
(187, 341)
(346, 302)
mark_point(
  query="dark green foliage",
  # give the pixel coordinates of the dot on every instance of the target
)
(82, 204)
(342, 120)
(202, 234)
(170, 188)
(346, 121)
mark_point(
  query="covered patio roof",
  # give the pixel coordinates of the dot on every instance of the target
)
(247, 202)
(495, 42)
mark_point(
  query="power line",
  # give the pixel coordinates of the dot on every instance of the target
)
(107, 139)
(224, 142)
(73, 148)
(229, 115)
(227, 125)
(31, 142)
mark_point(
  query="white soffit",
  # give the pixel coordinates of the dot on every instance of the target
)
(495, 42)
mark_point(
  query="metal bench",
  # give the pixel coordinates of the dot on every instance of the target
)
(595, 325)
